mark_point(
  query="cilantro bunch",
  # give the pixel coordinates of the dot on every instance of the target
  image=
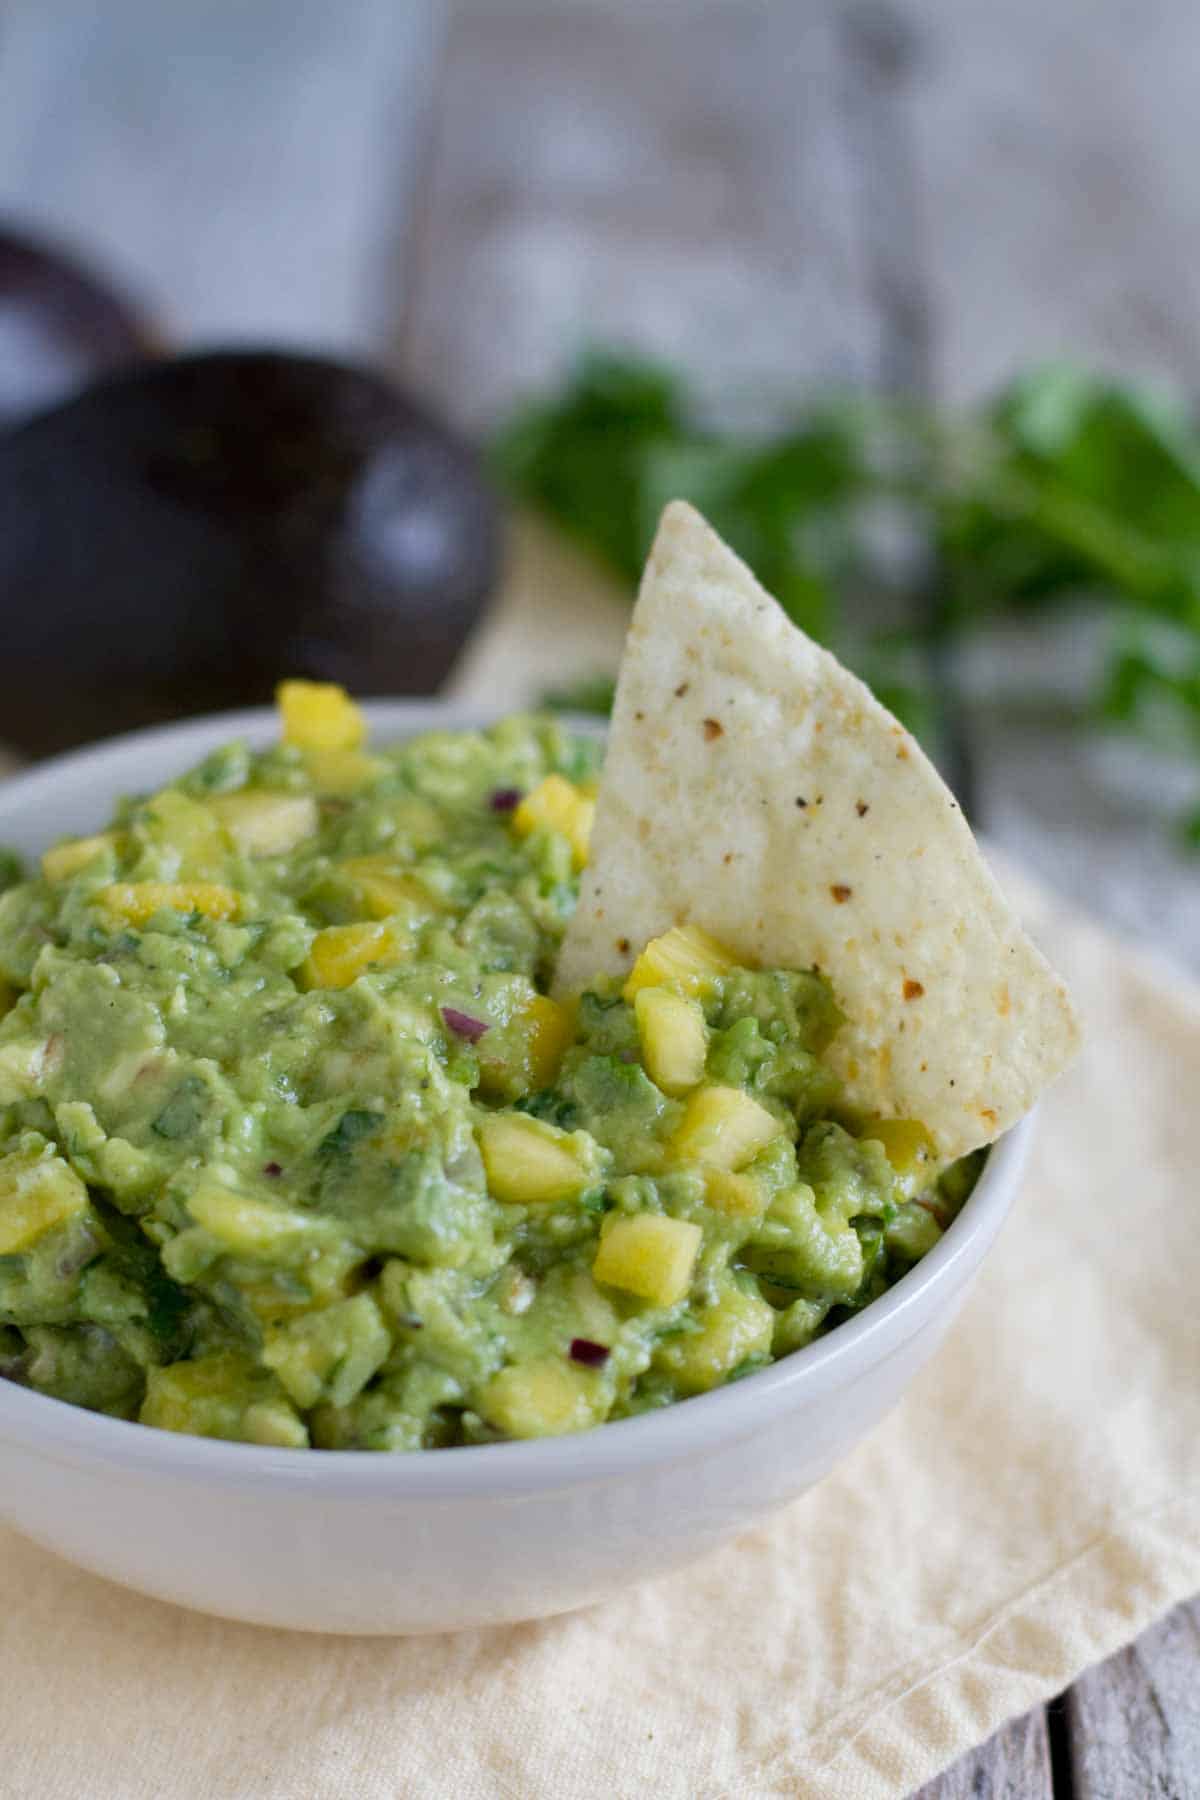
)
(1068, 488)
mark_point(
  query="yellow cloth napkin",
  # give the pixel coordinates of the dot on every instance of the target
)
(1031, 1505)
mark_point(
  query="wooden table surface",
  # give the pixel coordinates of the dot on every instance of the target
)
(925, 195)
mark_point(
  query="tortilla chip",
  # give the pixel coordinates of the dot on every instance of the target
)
(755, 788)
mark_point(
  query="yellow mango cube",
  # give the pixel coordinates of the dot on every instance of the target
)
(341, 953)
(386, 892)
(910, 1149)
(684, 957)
(318, 715)
(551, 1030)
(223, 1395)
(186, 834)
(649, 1255)
(739, 1196)
(265, 824)
(722, 1128)
(739, 1325)
(37, 1192)
(556, 805)
(545, 1397)
(674, 1039)
(523, 1056)
(530, 1163)
(138, 901)
(65, 860)
(249, 1227)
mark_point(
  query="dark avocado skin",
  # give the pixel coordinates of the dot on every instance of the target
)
(60, 326)
(179, 536)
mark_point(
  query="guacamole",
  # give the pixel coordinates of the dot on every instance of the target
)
(297, 1148)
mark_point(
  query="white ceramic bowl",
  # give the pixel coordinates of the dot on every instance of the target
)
(351, 1541)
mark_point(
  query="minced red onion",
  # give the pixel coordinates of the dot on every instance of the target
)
(505, 800)
(591, 1355)
(463, 1025)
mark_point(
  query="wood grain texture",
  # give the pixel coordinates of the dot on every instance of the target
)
(243, 169)
(1059, 215)
(1061, 206)
(1133, 1723)
(1012, 1765)
(678, 183)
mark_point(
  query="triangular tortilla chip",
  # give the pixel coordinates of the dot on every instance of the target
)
(755, 788)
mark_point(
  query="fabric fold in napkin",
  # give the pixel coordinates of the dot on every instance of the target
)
(1032, 1504)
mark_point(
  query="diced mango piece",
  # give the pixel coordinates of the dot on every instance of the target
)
(740, 1196)
(223, 1395)
(276, 1423)
(542, 1398)
(722, 1128)
(557, 805)
(37, 1192)
(341, 772)
(331, 1354)
(188, 832)
(250, 1227)
(138, 901)
(341, 953)
(65, 860)
(387, 892)
(910, 1149)
(649, 1255)
(551, 1029)
(530, 1163)
(523, 1056)
(263, 824)
(737, 1326)
(674, 1039)
(318, 715)
(684, 957)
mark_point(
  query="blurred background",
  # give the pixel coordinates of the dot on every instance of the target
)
(905, 296)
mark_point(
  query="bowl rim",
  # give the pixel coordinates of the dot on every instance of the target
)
(69, 1434)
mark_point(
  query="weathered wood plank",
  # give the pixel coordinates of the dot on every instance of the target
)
(1053, 148)
(680, 183)
(243, 169)
(1012, 1765)
(1058, 217)
(1134, 1722)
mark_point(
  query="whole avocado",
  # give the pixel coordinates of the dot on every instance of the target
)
(175, 535)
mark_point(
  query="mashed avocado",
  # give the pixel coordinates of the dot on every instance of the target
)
(296, 1148)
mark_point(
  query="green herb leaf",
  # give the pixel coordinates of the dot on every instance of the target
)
(1067, 486)
(352, 1126)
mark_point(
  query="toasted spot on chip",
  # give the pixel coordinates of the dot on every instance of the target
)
(913, 989)
(713, 728)
(841, 892)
